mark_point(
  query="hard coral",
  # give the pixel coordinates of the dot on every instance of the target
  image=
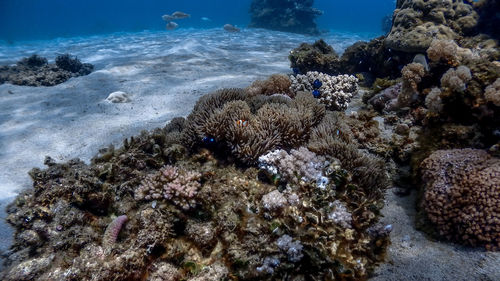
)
(462, 195)
(174, 184)
(456, 79)
(492, 93)
(335, 92)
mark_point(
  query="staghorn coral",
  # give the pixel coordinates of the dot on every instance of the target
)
(174, 184)
(492, 93)
(275, 84)
(462, 195)
(247, 132)
(335, 91)
(456, 79)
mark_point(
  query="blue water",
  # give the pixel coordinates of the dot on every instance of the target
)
(46, 19)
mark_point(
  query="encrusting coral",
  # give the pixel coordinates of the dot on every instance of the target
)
(462, 195)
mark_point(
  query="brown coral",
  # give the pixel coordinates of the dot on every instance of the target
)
(443, 50)
(492, 93)
(275, 84)
(412, 75)
(235, 127)
(462, 195)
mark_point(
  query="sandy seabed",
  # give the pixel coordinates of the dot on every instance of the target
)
(164, 74)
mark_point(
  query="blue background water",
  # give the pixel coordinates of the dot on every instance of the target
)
(45, 19)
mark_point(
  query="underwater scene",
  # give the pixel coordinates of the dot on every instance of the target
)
(295, 140)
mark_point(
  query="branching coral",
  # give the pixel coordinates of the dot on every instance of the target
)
(175, 184)
(333, 91)
(462, 195)
(456, 79)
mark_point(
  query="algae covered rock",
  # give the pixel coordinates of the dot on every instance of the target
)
(417, 22)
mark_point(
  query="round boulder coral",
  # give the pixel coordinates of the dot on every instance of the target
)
(462, 196)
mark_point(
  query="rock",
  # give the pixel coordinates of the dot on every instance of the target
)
(118, 97)
(285, 15)
(417, 22)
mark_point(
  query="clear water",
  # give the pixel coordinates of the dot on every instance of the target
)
(45, 19)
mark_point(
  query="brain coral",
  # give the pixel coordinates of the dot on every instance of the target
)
(462, 195)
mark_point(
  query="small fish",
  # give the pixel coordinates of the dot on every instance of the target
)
(317, 84)
(205, 19)
(167, 18)
(316, 94)
(242, 123)
(10, 92)
(231, 28)
(171, 25)
(180, 15)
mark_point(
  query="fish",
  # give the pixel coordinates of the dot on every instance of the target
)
(180, 15)
(168, 18)
(242, 123)
(205, 19)
(171, 25)
(175, 16)
(231, 28)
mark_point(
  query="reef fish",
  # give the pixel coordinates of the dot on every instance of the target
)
(175, 16)
(242, 123)
(231, 28)
(171, 25)
(180, 15)
(205, 19)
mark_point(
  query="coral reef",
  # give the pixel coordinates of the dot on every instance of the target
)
(461, 196)
(456, 79)
(492, 93)
(417, 22)
(318, 56)
(285, 15)
(249, 126)
(197, 206)
(335, 92)
(35, 71)
(275, 84)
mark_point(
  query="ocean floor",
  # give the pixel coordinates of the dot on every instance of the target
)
(165, 73)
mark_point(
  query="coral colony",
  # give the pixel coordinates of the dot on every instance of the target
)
(275, 181)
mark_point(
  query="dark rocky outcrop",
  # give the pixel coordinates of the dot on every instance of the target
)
(36, 71)
(285, 15)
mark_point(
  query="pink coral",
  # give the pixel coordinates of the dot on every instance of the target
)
(174, 184)
(112, 231)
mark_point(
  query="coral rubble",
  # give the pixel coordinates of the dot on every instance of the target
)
(36, 71)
